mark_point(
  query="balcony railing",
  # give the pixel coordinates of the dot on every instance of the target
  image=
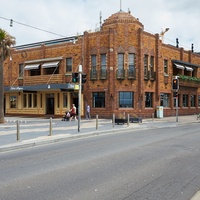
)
(131, 74)
(120, 74)
(103, 74)
(93, 74)
(189, 81)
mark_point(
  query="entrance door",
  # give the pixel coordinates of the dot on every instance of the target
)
(50, 104)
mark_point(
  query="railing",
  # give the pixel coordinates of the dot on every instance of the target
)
(120, 74)
(43, 79)
(93, 75)
(103, 74)
(131, 74)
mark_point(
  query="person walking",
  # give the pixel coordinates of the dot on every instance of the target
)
(73, 112)
(87, 112)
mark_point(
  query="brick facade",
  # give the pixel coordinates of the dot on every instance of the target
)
(120, 35)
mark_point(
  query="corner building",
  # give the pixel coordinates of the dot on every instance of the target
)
(128, 71)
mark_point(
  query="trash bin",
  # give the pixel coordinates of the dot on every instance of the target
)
(159, 111)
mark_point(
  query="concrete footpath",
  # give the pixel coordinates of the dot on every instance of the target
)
(38, 131)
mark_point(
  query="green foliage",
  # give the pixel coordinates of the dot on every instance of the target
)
(188, 78)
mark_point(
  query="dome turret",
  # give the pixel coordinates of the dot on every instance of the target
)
(120, 17)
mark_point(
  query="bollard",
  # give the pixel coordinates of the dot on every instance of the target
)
(18, 134)
(113, 120)
(152, 116)
(50, 127)
(128, 120)
(97, 122)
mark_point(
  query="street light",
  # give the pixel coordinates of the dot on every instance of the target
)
(163, 33)
(2, 46)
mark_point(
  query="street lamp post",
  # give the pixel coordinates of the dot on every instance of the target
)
(2, 46)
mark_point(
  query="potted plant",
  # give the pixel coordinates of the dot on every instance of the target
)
(135, 119)
(121, 119)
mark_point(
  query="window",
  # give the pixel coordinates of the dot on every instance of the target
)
(185, 100)
(103, 66)
(51, 70)
(120, 71)
(68, 64)
(165, 67)
(13, 101)
(98, 99)
(94, 62)
(35, 72)
(198, 101)
(40, 100)
(164, 100)
(131, 65)
(58, 100)
(148, 99)
(30, 100)
(126, 100)
(21, 70)
(192, 100)
(93, 74)
(24, 100)
(64, 100)
(34, 100)
(152, 66)
(145, 66)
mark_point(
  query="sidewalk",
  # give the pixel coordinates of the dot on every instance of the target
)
(36, 131)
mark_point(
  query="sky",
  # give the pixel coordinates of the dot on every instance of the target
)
(41, 20)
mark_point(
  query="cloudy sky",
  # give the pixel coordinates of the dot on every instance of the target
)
(69, 17)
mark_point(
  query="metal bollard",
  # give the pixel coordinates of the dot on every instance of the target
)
(152, 116)
(97, 124)
(18, 134)
(50, 127)
(128, 120)
(113, 120)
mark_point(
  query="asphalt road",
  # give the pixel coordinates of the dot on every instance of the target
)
(155, 164)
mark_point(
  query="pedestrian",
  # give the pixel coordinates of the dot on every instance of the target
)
(73, 112)
(87, 112)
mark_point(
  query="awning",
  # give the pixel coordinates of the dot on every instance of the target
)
(42, 87)
(188, 68)
(32, 66)
(179, 66)
(50, 64)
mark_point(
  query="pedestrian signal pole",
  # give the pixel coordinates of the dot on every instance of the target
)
(79, 97)
(175, 87)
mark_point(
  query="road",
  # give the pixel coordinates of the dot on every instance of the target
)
(154, 164)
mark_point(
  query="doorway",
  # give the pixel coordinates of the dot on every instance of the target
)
(50, 104)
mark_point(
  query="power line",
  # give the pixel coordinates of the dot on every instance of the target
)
(11, 24)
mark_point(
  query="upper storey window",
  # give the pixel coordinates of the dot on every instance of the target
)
(120, 71)
(145, 66)
(131, 66)
(93, 72)
(68, 64)
(103, 67)
(165, 67)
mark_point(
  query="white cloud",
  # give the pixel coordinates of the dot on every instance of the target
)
(69, 17)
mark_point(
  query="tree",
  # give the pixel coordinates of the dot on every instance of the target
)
(6, 41)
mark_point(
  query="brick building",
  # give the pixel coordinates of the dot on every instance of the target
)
(128, 71)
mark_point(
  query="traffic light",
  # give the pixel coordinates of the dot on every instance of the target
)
(74, 77)
(175, 85)
(175, 94)
(84, 78)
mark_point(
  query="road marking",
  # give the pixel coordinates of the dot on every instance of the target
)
(196, 196)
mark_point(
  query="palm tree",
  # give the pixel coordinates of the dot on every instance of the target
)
(6, 41)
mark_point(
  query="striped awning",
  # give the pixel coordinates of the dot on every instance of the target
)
(32, 66)
(50, 64)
